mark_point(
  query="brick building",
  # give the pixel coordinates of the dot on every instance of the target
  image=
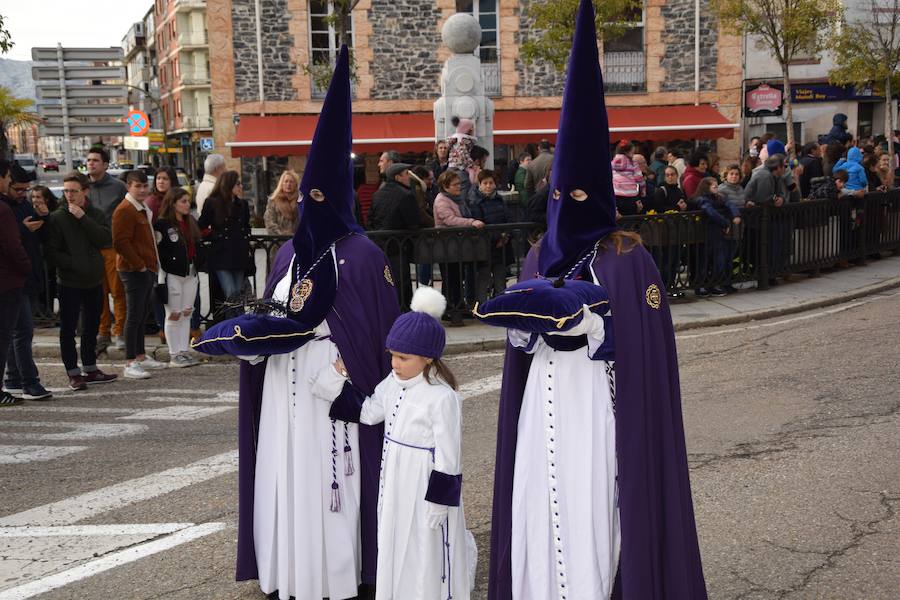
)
(649, 72)
(182, 58)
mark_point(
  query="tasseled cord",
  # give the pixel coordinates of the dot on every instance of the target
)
(348, 452)
(335, 488)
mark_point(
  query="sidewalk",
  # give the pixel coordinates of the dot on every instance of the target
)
(801, 294)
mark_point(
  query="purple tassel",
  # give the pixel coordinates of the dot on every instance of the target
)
(335, 497)
(348, 454)
(348, 461)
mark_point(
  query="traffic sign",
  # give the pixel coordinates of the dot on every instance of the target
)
(138, 123)
(207, 144)
(137, 143)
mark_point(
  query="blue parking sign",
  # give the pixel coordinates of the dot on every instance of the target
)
(207, 144)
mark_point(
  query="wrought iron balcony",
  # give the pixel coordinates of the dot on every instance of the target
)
(624, 72)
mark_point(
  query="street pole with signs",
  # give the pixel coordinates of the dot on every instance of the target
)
(81, 92)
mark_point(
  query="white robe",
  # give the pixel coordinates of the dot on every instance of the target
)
(565, 517)
(422, 424)
(303, 549)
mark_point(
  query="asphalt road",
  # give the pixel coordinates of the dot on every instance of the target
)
(792, 429)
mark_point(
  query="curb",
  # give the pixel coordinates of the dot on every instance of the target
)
(161, 352)
(780, 311)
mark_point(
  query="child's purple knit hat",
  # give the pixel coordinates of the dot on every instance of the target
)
(420, 331)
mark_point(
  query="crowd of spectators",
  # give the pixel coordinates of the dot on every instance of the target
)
(109, 253)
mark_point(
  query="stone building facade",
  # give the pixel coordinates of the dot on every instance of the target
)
(398, 57)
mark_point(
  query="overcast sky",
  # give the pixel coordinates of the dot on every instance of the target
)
(90, 23)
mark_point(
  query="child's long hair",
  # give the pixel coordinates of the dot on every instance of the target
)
(704, 188)
(441, 372)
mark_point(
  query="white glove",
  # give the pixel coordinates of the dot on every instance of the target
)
(327, 384)
(591, 324)
(436, 514)
(253, 359)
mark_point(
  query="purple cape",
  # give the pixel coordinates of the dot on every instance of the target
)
(660, 556)
(364, 309)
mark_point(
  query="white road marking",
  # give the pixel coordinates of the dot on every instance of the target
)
(213, 400)
(93, 392)
(90, 504)
(484, 385)
(110, 561)
(176, 413)
(14, 455)
(74, 430)
(93, 530)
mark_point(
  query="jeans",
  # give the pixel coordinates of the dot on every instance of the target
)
(20, 367)
(138, 291)
(423, 273)
(232, 283)
(182, 291)
(72, 303)
(10, 304)
(111, 322)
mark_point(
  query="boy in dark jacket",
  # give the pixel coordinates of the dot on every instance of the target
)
(488, 206)
(14, 268)
(77, 234)
(22, 377)
(721, 218)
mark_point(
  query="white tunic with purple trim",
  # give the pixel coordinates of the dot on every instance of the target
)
(565, 517)
(422, 425)
(304, 548)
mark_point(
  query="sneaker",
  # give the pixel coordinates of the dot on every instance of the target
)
(701, 293)
(717, 292)
(77, 383)
(98, 376)
(103, 343)
(13, 390)
(7, 399)
(180, 361)
(119, 343)
(36, 391)
(151, 364)
(134, 370)
(730, 289)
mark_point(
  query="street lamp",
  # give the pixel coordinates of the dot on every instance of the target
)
(156, 102)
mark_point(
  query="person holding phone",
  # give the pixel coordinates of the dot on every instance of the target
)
(78, 232)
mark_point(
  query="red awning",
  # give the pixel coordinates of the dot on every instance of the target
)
(288, 135)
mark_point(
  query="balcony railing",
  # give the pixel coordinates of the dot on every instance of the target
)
(192, 38)
(624, 72)
(195, 122)
(182, 5)
(490, 73)
(194, 77)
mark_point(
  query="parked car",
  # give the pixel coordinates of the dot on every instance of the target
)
(50, 164)
(27, 162)
(185, 182)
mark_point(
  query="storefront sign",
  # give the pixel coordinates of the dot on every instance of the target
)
(763, 100)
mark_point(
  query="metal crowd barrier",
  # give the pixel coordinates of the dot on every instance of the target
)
(471, 264)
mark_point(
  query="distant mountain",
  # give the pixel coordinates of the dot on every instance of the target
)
(16, 75)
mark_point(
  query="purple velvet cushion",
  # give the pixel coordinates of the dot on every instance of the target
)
(254, 335)
(543, 305)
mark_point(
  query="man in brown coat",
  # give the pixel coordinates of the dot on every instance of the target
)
(137, 266)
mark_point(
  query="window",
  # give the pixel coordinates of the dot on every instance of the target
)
(324, 42)
(486, 13)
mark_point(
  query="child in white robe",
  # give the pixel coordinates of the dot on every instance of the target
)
(424, 550)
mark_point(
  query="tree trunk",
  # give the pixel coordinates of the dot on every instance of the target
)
(889, 120)
(788, 109)
(4, 143)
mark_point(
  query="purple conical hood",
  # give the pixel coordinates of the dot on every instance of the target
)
(581, 208)
(326, 206)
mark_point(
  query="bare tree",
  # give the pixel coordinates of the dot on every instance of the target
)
(868, 51)
(789, 28)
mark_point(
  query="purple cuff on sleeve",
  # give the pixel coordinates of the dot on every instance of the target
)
(348, 405)
(444, 489)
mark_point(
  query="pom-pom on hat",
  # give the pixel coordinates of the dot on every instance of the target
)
(420, 331)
